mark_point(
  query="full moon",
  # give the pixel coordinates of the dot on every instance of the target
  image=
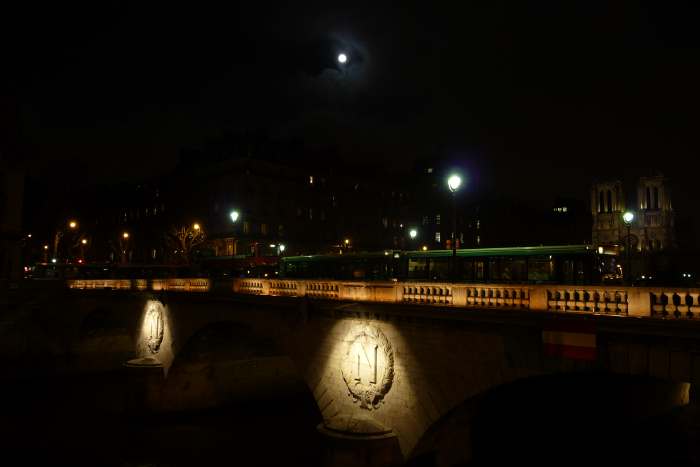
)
(342, 58)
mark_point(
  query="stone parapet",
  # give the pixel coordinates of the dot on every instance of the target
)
(654, 302)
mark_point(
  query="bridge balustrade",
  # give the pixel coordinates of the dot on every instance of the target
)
(588, 299)
(666, 303)
(497, 296)
(433, 294)
(675, 303)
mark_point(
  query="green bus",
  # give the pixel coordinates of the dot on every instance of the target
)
(569, 264)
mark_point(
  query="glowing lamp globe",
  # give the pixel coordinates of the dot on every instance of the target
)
(628, 217)
(454, 182)
(413, 233)
(234, 216)
(342, 59)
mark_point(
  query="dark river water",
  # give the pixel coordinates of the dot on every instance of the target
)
(79, 420)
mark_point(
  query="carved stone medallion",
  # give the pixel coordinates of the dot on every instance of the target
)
(368, 366)
(154, 326)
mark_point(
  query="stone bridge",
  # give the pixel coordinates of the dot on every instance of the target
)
(404, 375)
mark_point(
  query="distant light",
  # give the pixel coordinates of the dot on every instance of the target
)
(311, 179)
(386, 253)
(80, 261)
(413, 233)
(425, 248)
(46, 247)
(628, 217)
(265, 274)
(454, 182)
(125, 235)
(29, 235)
(196, 226)
(396, 255)
(342, 58)
(347, 241)
(83, 241)
(72, 224)
(282, 247)
(53, 260)
(600, 250)
(272, 245)
(643, 276)
(234, 215)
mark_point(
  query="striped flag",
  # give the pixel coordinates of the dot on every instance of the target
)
(576, 341)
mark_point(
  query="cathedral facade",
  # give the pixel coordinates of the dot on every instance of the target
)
(652, 229)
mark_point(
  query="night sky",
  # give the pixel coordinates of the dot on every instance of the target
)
(537, 100)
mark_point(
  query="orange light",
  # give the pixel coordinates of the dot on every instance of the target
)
(46, 247)
(196, 226)
(72, 224)
(125, 235)
(83, 241)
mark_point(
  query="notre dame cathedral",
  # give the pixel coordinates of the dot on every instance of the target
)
(652, 229)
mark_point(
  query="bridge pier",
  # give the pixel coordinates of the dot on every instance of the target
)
(350, 441)
(145, 379)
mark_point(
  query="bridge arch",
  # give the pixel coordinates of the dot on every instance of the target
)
(227, 361)
(554, 418)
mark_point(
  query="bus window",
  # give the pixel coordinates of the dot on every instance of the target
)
(466, 271)
(494, 271)
(540, 269)
(417, 268)
(479, 271)
(513, 270)
(439, 269)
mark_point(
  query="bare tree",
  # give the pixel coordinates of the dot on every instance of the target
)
(183, 239)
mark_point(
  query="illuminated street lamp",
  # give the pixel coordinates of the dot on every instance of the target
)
(196, 226)
(453, 183)
(125, 235)
(282, 248)
(234, 215)
(628, 218)
(342, 58)
(413, 233)
(83, 241)
(73, 225)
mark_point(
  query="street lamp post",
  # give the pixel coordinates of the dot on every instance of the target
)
(453, 183)
(628, 218)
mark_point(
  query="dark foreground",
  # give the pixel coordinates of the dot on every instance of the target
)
(80, 420)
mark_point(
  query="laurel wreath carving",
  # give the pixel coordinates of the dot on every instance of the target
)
(368, 395)
(154, 327)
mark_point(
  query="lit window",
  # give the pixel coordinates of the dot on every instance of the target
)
(437, 237)
(429, 170)
(246, 227)
(385, 222)
(478, 224)
(263, 229)
(478, 239)
(437, 219)
(425, 220)
(311, 179)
